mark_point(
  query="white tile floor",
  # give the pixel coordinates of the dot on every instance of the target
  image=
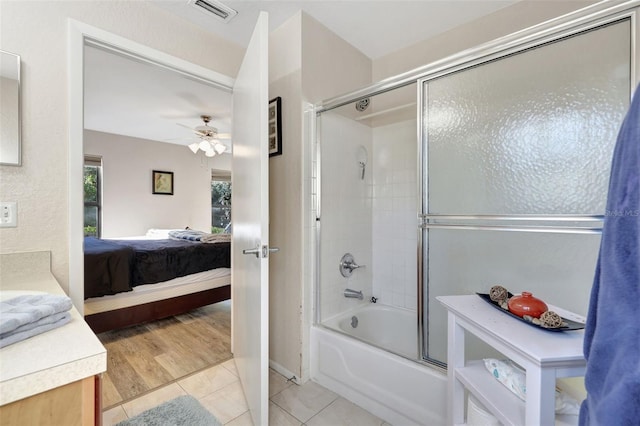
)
(218, 390)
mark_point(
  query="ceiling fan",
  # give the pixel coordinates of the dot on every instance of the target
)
(209, 138)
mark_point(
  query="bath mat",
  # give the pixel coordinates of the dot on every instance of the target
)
(183, 411)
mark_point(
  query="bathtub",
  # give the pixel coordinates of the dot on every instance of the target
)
(383, 326)
(396, 389)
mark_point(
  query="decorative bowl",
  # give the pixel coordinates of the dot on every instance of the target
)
(526, 304)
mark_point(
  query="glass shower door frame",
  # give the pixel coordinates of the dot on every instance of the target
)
(569, 224)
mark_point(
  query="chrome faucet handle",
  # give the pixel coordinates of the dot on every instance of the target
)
(352, 265)
(347, 265)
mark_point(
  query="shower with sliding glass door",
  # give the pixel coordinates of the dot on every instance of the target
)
(486, 170)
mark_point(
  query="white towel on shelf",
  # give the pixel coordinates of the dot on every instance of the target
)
(30, 308)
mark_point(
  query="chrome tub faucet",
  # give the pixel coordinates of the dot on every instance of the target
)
(353, 294)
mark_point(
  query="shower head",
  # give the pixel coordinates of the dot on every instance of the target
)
(361, 157)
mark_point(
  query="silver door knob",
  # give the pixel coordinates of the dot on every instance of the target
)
(261, 251)
(257, 251)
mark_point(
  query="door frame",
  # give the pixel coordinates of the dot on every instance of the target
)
(80, 34)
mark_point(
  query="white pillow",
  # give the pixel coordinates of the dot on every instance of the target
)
(160, 234)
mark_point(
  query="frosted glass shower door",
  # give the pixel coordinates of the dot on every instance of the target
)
(522, 144)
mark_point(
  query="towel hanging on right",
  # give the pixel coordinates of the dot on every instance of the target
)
(612, 333)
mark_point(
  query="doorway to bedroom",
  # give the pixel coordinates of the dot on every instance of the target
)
(139, 120)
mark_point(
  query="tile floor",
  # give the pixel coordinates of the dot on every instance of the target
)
(218, 389)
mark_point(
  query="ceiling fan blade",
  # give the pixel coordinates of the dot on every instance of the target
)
(224, 135)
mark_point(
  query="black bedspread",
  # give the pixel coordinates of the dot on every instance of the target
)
(107, 267)
(162, 260)
(154, 261)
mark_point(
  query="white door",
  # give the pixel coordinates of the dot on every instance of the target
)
(250, 217)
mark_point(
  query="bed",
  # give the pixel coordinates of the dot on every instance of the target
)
(134, 280)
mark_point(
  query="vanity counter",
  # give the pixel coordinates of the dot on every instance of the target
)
(58, 357)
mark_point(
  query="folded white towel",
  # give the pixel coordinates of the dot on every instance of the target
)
(42, 321)
(29, 308)
(39, 328)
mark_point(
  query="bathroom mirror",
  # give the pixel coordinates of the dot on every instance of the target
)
(10, 109)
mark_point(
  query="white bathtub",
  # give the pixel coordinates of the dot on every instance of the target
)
(400, 391)
(383, 326)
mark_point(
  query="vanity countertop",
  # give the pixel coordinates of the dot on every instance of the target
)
(51, 359)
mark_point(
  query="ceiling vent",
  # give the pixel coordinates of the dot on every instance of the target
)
(214, 8)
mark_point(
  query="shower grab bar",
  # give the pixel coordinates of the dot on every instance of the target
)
(549, 229)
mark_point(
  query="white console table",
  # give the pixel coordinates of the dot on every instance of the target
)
(545, 356)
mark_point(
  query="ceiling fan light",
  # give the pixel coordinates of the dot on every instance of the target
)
(210, 153)
(204, 145)
(219, 148)
(194, 147)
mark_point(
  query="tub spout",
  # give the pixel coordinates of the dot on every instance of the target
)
(349, 293)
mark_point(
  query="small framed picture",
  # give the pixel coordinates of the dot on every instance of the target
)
(275, 127)
(162, 182)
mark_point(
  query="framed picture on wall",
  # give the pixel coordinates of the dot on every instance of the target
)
(162, 182)
(275, 127)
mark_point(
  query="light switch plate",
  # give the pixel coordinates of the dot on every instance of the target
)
(8, 214)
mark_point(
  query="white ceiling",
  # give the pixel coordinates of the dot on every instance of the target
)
(136, 99)
(375, 27)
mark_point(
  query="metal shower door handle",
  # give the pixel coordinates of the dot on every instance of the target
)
(261, 251)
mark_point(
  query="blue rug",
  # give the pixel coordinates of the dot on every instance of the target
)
(183, 411)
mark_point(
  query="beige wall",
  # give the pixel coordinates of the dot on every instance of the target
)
(498, 24)
(128, 206)
(285, 192)
(37, 30)
(330, 66)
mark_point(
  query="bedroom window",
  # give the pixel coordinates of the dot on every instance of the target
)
(220, 201)
(92, 196)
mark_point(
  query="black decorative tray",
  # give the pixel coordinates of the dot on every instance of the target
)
(571, 325)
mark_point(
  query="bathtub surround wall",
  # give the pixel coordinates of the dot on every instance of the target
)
(394, 214)
(346, 218)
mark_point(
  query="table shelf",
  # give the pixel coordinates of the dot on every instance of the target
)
(500, 401)
(545, 356)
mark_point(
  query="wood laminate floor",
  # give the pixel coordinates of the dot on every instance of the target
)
(148, 356)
